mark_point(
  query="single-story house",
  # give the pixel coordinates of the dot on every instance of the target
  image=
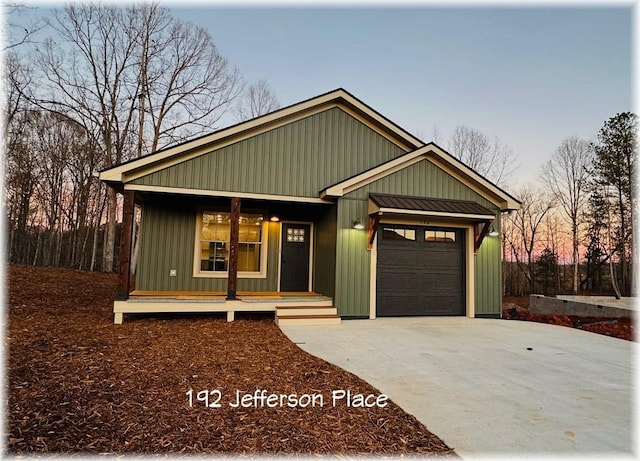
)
(320, 211)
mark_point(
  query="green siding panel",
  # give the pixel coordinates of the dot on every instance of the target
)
(300, 158)
(488, 275)
(324, 270)
(167, 239)
(423, 179)
(353, 260)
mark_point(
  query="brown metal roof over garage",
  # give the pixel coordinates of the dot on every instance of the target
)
(402, 202)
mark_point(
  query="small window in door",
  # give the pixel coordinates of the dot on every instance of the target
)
(439, 236)
(295, 235)
(395, 233)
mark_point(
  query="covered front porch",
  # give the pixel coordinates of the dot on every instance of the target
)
(226, 254)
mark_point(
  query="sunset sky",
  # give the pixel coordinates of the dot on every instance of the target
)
(529, 76)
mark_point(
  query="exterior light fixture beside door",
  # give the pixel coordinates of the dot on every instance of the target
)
(493, 232)
(357, 224)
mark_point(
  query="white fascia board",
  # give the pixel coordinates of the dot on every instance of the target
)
(219, 193)
(206, 140)
(507, 202)
(382, 121)
(117, 173)
(398, 163)
(110, 176)
(440, 159)
(437, 214)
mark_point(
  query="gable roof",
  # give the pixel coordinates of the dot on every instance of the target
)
(442, 159)
(337, 98)
(117, 175)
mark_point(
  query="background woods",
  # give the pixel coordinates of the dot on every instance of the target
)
(105, 85)
(94, 85)
(575, 233)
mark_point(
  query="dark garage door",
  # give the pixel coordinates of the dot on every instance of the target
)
(420, 271)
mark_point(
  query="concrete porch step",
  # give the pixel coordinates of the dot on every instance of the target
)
(316, 319)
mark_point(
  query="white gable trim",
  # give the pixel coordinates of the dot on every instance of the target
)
(338, 98)
(375, 173)
(436, 214)
(224, 193)
(478, 183)
(439, 158)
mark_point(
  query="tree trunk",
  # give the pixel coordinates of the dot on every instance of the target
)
(576, 260)
(35, 256)
(110, 232)
(94, 247)
(614, 283)
(623, 239)
(124, 255)
(96, 230)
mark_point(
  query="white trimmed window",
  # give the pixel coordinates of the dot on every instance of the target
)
(213, 237)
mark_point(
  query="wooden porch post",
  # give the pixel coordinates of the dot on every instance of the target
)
(124, 252)
(232, 281)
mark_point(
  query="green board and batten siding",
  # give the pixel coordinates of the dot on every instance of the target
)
(167, 241)
(422, 179)
(300, 159)
(324, 278)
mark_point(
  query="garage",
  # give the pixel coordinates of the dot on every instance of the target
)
(421, 271)
(425, 253)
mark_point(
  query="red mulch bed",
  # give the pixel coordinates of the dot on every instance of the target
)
(79, 383)
(518, 309)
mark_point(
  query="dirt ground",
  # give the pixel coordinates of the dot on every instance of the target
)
(79, 383)
(518, 309)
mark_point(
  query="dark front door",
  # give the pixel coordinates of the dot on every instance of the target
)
(294, 272)
(420, 271)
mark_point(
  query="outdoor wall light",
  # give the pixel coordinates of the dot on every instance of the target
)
(357, 224)
(493, 232)
(274, 219)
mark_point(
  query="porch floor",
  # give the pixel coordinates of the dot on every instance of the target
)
(246, 296)
(289, 306)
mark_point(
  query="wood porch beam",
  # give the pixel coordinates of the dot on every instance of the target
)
(232, 281)
(374, 221)
(124, 251)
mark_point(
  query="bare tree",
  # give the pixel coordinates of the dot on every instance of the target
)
(22, 167)
(186, 85)
(436, 136)
(566, 177)
(118, 65)
(491, 159)
(22, 174)
(17, 80)
(19, 33)
(259, 99)
(525, 224)
(91, 81)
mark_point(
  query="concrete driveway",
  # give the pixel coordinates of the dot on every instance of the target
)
(490, 387)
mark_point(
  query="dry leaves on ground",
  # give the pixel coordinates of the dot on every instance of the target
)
(79, 383)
